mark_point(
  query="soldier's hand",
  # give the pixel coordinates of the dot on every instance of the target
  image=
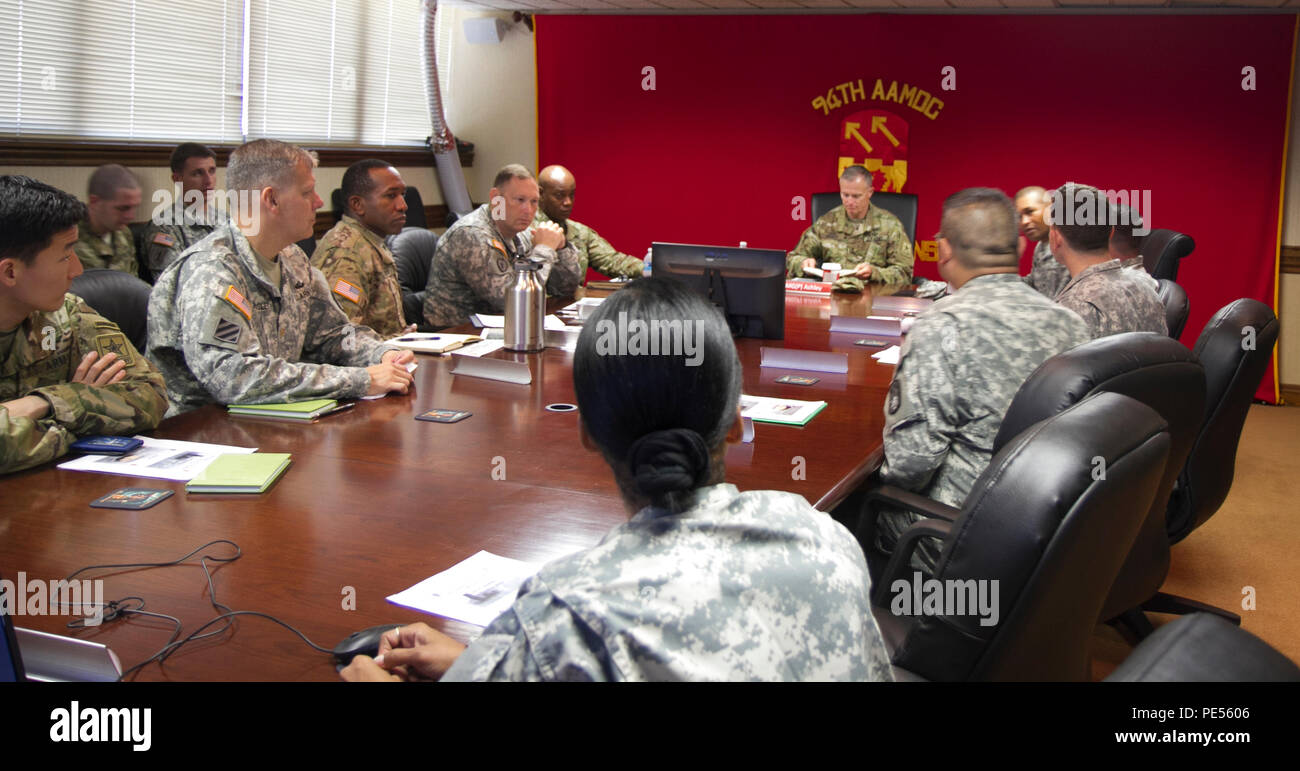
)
(863, 270)
(99, 371)
(31, 407)
(400, 358)
(548, 234)
(811, 262)
(388, 376)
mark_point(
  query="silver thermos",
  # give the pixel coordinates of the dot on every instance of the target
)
(526, 308)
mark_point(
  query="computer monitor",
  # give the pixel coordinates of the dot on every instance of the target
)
(747, 285)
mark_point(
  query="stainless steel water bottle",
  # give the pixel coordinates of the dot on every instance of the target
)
(526, 308)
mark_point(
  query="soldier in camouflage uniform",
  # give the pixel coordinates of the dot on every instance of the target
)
(1127, 247)
(868, 242)
(228, 325)
(358, 266)
(105, 240)
(1046, 274)
(164, 238)
(1109, 298)
(558, 188)
(65, 371)
(704, 582)
(962, 362)
(474, 264)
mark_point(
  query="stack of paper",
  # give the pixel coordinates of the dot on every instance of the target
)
(790, 412)
(251, 473)
(306, 411)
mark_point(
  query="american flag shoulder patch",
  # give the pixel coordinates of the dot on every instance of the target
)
(347, 291)
(236, 299)
(162, 239)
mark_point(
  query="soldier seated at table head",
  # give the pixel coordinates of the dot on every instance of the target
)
(357, 264)
(558, 189)
(243, 318)
(194, 170)
(1109, 298)
(704, 581)
(1046, 273)
(65, 371)
(963, 360)
(867, 242)
(474, 264)
(105, 239)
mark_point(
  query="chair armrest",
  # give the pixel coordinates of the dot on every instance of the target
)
(900, 561)
(900, 498)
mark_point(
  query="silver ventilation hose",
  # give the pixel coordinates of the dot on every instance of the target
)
(450, 176)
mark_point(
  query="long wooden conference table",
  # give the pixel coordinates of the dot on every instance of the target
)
(376, 501)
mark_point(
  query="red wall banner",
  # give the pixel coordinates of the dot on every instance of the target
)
(713, 129)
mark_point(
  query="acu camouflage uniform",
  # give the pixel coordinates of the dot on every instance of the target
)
(961, 363)
(595, 251)
(1112, 299)
(40, 358)
(752, 586)
(1138, 268)
(362, 274)
(221, 331)
(1047, 274)
(878, 239)
(118, 253)
(474, 267)
(163, 240)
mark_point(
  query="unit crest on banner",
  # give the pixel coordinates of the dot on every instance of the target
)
(876, 139)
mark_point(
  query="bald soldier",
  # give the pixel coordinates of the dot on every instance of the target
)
(963, 360)
(243, 318)
(65, 371)
(1046, 274)
(194, 168)
(358, 266)
(104, 238)
(1110, 298)
(558, 187)
(868, 242)
(474, 264)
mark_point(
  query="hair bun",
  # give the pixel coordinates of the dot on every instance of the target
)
(665, 462)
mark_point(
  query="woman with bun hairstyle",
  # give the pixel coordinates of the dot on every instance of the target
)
(703, 582)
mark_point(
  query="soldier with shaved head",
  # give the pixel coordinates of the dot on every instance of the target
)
(558, 189)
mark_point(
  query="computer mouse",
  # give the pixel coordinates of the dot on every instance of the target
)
(364, 642)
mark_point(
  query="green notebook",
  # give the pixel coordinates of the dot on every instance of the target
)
(308, 410)
(240, 473)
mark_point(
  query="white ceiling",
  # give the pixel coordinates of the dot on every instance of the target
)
(851, 6)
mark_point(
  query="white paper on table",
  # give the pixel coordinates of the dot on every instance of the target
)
(582, 309)
(771, 410)
(499, 322)
(474, 590)
(481, 348)
(157, 459)
(888, 356)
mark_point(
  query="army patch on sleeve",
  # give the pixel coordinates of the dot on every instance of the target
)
(347, 291)
(162, 239)
(223, 329)
(114, 342)
(895, 399)
(236, 299)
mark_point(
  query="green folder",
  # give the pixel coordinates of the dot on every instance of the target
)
(240, 473)
(308, 410)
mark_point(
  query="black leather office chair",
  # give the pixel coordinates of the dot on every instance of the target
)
(308, 246)
(339, 206)
(1232, 375)
(119, 297)
(1162, 374)
(901, 205)
(1048, 532)
(413, 251)
(1176, 305)
(1163, 249)
(1201, 648)
(415, 209)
